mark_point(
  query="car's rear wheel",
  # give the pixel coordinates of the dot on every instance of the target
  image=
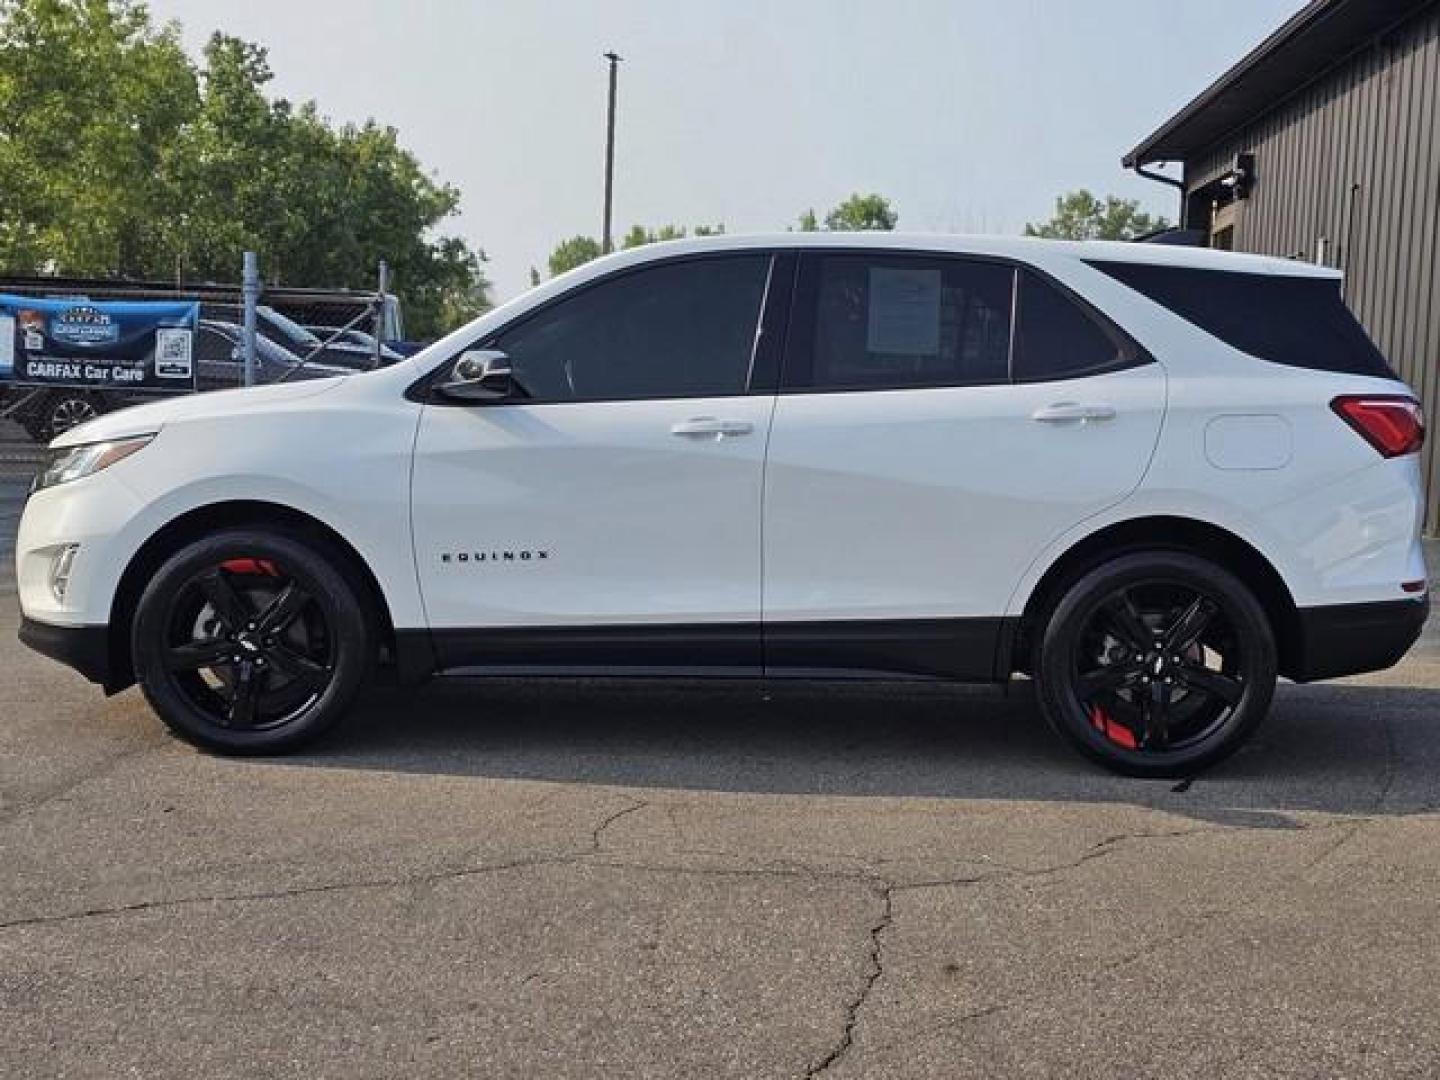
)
(251, 642)
(1157, 664)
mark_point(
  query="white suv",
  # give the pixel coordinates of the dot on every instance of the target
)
(1152, 478)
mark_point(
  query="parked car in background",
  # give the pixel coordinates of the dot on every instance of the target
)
(220, 359)
(1153, 479)
(304, 343)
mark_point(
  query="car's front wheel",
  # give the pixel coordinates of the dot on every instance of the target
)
(251, 641)
(1157, 664)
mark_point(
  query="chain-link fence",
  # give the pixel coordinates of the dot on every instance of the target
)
(298, 334)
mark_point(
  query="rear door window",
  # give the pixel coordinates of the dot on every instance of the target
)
(1296, 321)
(1057, 338)
(888, 321)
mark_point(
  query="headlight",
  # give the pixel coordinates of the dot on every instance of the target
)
(74, 462)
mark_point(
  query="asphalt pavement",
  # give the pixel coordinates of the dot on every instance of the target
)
(602, 879)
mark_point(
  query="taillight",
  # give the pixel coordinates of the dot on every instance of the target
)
(1393, 425)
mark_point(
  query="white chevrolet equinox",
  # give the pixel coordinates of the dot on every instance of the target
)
(1153, 479)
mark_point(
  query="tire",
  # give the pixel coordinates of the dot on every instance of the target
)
(250, 641)
(1157, 664)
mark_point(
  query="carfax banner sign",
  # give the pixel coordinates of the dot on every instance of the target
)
(101, 344)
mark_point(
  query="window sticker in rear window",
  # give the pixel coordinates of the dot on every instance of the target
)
(904, 311)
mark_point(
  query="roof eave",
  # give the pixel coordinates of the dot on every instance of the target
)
(1148, 151)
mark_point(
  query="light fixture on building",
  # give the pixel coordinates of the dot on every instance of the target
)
(1241, 177)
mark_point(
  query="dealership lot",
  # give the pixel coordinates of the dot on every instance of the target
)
(740, 880)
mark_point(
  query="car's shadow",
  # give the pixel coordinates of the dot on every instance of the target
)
(1345, 749)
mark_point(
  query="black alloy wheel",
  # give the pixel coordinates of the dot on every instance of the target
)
(1157, 665)
(64, 411)
(251, 642)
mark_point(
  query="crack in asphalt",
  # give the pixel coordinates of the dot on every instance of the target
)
(586, 856)
(874, 968)
(300, 890)
(884, 889)
(595, 833)
(1103, 966)
(410, 881)
(1354, 828)
(63, 788)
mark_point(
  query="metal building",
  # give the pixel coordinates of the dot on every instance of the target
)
(1323, 144)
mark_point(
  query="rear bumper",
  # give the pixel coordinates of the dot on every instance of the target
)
(1350, 639)
(84, 648)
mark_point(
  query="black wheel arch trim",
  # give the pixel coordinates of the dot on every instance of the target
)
(1160, 533)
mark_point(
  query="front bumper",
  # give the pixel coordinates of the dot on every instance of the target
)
(84, 648)
(1351, 639)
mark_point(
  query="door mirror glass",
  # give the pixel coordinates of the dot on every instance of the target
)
(479, 375)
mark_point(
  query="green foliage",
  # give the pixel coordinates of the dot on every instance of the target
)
(1079, 215)
(121, 156)
(90, 98)
(862, 213)
(577, 251)
(858, 213)
(639, 236)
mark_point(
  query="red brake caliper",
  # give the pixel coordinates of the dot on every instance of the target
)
(250, 566)
(1115, 732)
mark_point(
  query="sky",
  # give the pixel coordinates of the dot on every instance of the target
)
(970, 115)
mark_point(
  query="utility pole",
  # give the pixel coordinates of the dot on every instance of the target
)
(607, 241)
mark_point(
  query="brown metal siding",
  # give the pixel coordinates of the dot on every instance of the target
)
(1368, 131)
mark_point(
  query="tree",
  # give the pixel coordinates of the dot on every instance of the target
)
(577, 251)
(862, 213)
(91, 96)
(1079, 215)
(639, 236)
(858, 213)
(121, 156)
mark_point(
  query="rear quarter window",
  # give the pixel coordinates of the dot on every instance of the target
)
(1296, 321)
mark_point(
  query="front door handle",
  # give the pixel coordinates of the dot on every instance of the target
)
(710, 427)
(1070, 412)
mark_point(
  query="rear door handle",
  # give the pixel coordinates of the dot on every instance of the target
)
(709, 426)
(1070, 412)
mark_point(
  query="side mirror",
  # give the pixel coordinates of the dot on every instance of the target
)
(479, 375)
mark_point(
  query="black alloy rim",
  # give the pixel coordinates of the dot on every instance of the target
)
(1159, 667)
(69, 413)
(248, 645)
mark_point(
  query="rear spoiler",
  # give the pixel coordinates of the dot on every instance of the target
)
(1173, 237)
